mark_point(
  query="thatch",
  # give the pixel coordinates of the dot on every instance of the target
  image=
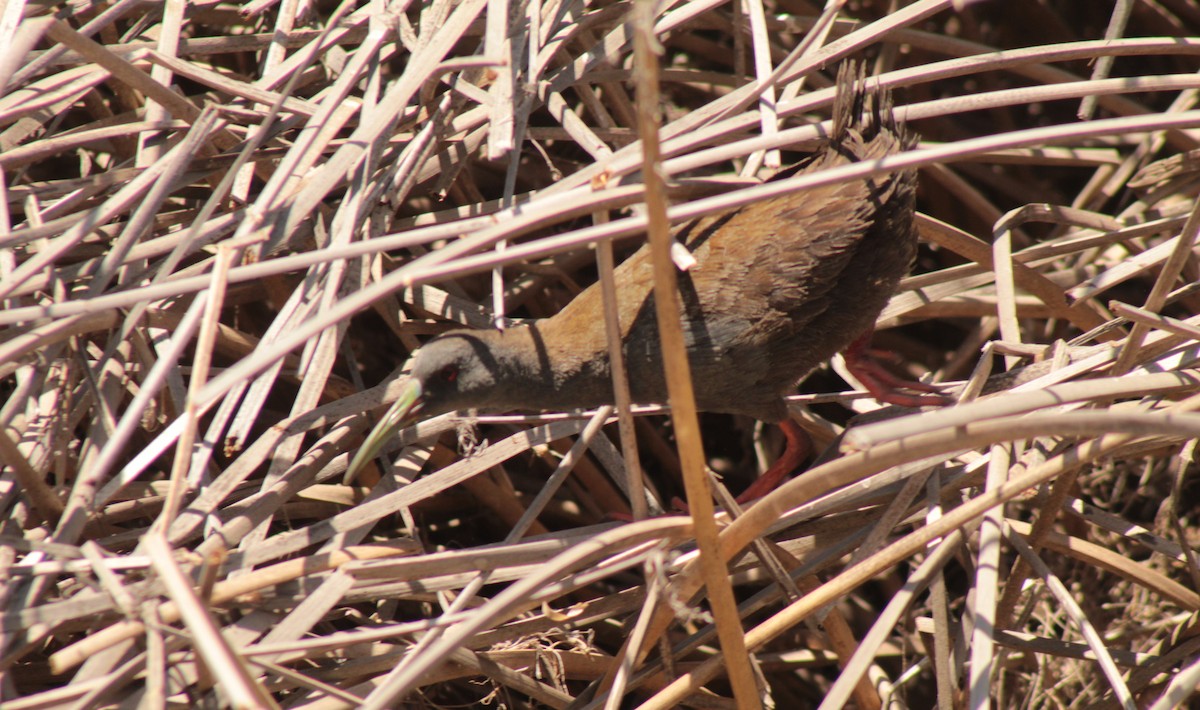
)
(227, 225)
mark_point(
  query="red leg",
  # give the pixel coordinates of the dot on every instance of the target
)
(883, 385)
(795, 451)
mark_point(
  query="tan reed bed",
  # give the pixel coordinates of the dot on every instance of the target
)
(227, 225)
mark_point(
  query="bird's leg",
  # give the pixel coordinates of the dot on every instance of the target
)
(883, 385)
(795, 450)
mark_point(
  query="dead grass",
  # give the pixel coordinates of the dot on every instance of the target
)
(225, 225)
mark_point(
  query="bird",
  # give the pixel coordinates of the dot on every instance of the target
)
(778, 287)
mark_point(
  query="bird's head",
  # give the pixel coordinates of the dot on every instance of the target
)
(458, 370)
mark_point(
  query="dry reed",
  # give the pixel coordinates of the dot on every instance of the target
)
(225, 226)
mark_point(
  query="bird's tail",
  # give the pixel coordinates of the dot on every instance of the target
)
(862, 106)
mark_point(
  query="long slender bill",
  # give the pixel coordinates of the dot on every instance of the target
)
(402, 413)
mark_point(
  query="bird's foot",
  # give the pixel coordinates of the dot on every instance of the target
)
(884, 386)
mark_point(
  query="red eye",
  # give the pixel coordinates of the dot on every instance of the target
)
(449, 373)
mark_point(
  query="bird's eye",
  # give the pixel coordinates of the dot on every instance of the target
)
(449, 373)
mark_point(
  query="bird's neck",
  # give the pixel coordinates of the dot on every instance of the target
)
(535, 371)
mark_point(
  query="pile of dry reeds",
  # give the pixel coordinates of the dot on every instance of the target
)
(225, 226)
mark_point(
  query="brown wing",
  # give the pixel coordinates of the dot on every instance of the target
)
(779, 286)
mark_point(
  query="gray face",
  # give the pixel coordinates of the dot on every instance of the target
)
(456, 371)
